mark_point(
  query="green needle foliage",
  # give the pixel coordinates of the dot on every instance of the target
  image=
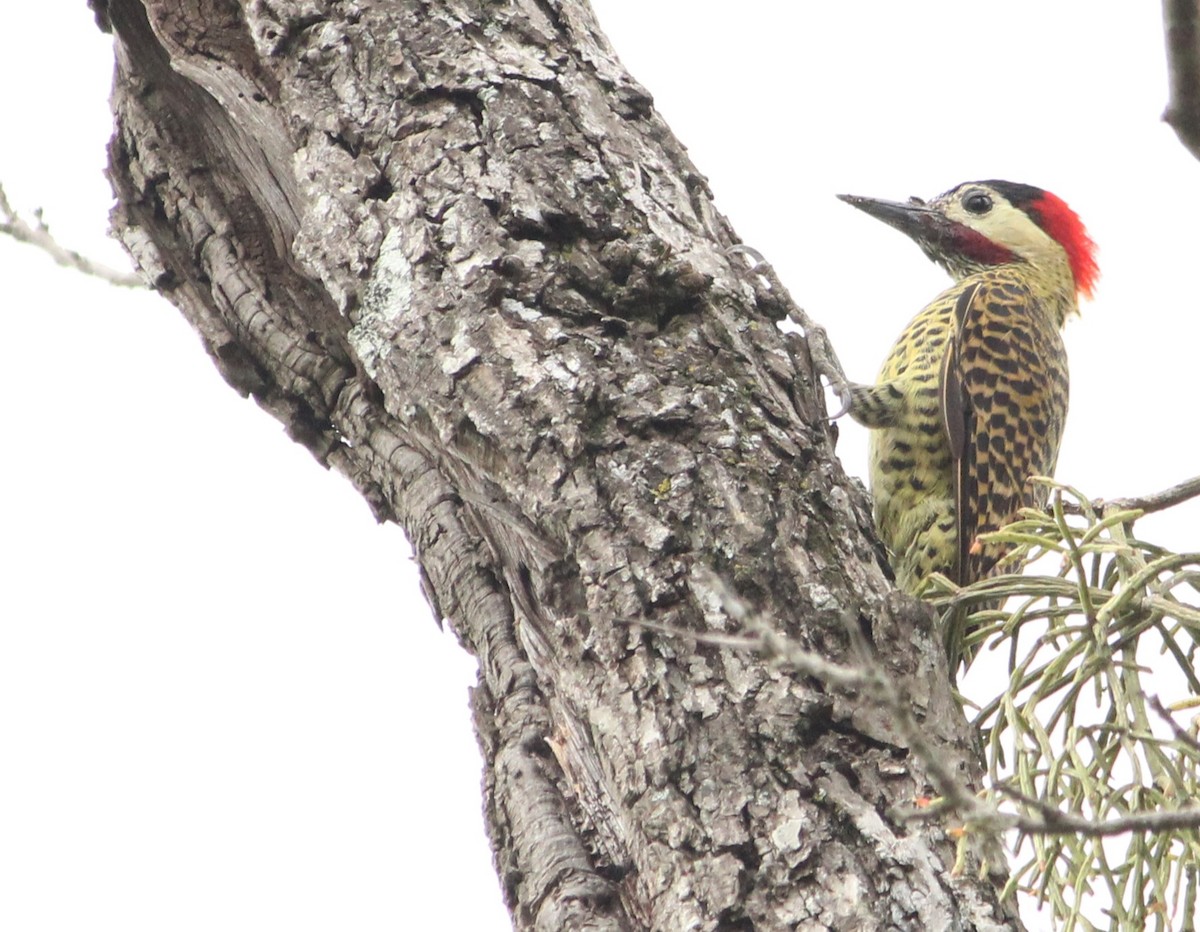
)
(1079, 734)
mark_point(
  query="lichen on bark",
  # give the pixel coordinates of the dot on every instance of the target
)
(456, 251)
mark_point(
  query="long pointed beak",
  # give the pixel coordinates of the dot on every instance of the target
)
(912, 217)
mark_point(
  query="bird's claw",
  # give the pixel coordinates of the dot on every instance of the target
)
(741, 249)
(845, 399)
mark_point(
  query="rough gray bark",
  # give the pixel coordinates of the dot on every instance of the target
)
(454, 249)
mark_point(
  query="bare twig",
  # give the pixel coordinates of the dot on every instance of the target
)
(1053, 821)
(1181, 23)
(1156, 501)
(1181, 734)
(866, 676)
(1159, 501)
(819, 348)
(38, 234)
(765, 639)
(770, 644)
(870, 680)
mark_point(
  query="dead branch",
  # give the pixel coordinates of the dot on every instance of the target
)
(820, 350)
(1052, 821)
(868, 678)
(1158, 501)
(38, 234)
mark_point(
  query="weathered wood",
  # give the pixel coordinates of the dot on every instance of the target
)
(455, 250)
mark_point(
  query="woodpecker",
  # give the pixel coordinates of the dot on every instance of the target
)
(972, 399)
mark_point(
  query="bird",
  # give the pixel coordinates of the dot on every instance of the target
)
(972, 399)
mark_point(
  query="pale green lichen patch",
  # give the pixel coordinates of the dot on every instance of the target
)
(387, 296)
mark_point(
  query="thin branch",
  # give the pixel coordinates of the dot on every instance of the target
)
(1053, 821)
(1159, 501)
(1041, 817)
(1181, 23)
(866, 677)
(1156, 501)
(769, 644)
(820, 350)
(1181, 734)
(38, 234)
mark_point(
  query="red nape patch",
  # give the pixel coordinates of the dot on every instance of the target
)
(1052, 214)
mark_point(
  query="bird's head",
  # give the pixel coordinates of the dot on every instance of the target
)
(981, 224)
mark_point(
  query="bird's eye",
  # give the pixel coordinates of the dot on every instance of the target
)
(977, 202)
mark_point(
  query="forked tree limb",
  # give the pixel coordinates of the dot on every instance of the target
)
(456, 251)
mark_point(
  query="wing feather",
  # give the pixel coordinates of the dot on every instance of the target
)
(1003, 397)
(957, 419)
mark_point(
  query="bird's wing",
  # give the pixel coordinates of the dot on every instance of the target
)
(958, 421)
(1003, 401)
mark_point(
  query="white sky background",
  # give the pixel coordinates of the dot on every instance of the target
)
(207, 722)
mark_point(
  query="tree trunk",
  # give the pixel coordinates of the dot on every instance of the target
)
(454, 249)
